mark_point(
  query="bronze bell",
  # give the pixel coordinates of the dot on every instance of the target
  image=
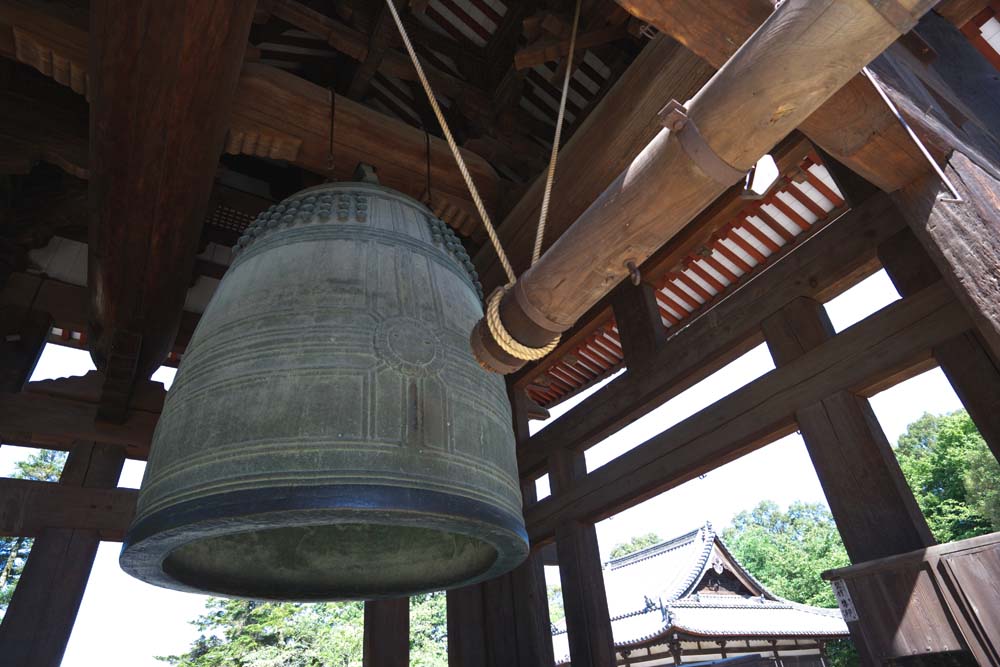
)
(329, 434)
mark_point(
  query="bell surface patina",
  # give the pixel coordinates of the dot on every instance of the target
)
(329, 434)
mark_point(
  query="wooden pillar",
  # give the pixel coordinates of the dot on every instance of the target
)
(973, 374)
(387, 633)
(962, 238)
(40, 617)
(874, 508)
(504, 622)
(588, 622)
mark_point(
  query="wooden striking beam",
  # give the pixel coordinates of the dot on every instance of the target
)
(149, 189)
(27, 508)
(854, 125)
(875, 510)
(40, 617)
(833, 258)
(614, 133)
(802, 46)
(898, 337)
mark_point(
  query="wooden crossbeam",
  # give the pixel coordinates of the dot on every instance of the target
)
(895, 338)
(542, 52)
(28, 507)
(834, 257)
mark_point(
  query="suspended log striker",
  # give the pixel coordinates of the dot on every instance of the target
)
(329, 434)
(802, 54)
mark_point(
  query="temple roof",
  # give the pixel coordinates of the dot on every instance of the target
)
(692, 585)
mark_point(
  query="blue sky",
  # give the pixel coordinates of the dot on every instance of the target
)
(124, 622)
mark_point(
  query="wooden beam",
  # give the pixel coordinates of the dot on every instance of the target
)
(149, 189)
(34, 130)
(40, 617)
(960, 12)
(55, 423)
(821, 266)
(387, 633)
(378, 45)
(895, 338)
(637, 316)
(614, 133)
(875, 510)
(28, 508)
(853, 125)
(24, 332)
(962, 238)
(544, 51)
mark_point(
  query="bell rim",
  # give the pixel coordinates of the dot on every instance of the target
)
(151, 540)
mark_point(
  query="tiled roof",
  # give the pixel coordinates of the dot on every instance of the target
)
(652, 593)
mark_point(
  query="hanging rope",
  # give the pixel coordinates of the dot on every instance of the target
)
(490, 231)
(550, 177)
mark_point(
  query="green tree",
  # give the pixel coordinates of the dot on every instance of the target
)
(245, 633)
(787, 552)
(44, 466)
(556, 610)
(637, 543)
(953, 475)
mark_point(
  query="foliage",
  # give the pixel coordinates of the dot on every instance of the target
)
(787, 552)
(44, 466)
(637, 543)
(953, 474)
(556, 610)
(245, 633)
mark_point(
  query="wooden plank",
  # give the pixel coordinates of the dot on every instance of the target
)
(962, 238)
(28, 508)
(387, 633)
(466, 627)
(40, 617)
(614, 133)
(55, 423)
(973, 375)
(819, 267)
(22, 339)
(149, 189)
(875, 510)
(853, 125)
(896, 337)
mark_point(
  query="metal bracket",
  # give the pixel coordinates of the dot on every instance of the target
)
(898, 16)
(675, 118)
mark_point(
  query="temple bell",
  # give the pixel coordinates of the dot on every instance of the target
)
(329, 434)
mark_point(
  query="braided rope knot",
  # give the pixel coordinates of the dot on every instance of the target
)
(503, 338)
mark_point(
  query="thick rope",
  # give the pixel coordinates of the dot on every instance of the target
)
(503, 338)
(490, 231)
(550, 177)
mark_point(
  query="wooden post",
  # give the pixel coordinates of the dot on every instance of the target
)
(40, 617)
(965, 361)
(638, 318)
(504, 622)
(962, 238)
(588, 622)
(874, 508)
(387, 633)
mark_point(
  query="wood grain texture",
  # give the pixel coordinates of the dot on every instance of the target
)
(962, 238)
(149, 188)
(387, 633)
(896, 337)
(27, 508)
